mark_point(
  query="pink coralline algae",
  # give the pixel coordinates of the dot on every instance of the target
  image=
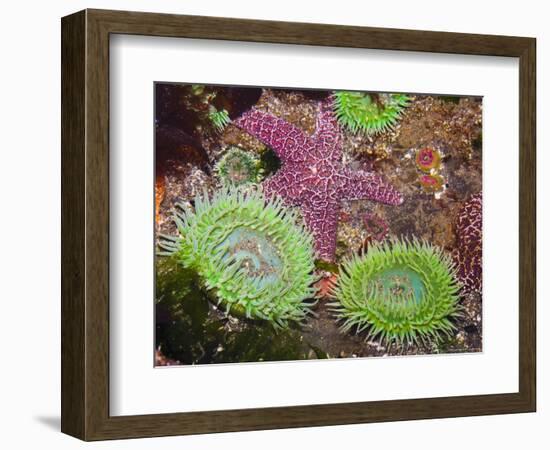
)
(376, 227)
(312, 175)
(467, 255)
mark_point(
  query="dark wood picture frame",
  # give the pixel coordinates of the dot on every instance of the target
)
(85, 224)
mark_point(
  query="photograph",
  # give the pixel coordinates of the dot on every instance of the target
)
(301, 224)
(272, 225)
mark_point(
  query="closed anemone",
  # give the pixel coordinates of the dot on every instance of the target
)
(253, 254)
(400, 291)
(238, 167)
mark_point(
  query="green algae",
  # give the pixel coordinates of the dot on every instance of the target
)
(191, 330)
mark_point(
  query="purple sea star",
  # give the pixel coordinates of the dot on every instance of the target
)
(468, 252)
(312, 175)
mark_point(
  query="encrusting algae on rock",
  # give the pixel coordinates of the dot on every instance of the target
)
(238, 167)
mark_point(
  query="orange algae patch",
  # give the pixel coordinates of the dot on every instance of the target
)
(160, 189)
(325, 285)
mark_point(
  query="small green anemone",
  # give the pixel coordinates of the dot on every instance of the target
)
(368, 113)
(238, 167)
(219, 118)
(251, 253)
(400, 291)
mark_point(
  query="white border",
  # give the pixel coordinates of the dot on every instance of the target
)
(137, 388)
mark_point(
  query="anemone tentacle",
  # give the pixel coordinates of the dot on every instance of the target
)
(218, 118)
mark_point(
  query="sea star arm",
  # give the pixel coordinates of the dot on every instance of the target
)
(287, 184)
(288, 142)
(321, 217)
(367, 185)
(327, 132)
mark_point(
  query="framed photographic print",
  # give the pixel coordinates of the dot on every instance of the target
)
(271, 224)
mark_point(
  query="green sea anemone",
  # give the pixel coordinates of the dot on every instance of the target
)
(400, 291)
(238, 167)
(252, 254)
(219, 118)
(368, 113)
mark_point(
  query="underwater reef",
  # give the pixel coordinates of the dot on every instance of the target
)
(301, 224)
